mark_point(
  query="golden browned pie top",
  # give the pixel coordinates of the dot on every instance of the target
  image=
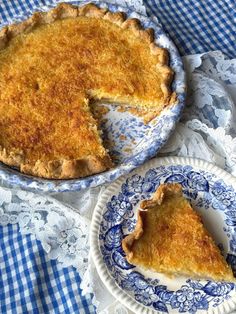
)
(52, 65)
(169, 237)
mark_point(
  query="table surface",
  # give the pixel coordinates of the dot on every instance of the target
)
(29, 281)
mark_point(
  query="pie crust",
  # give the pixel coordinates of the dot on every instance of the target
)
(170, 238)
(62, 165)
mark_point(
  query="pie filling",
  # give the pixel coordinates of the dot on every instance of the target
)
(48, 75)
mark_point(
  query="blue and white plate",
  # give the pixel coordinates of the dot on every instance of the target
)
(133, 141)
(212, 193)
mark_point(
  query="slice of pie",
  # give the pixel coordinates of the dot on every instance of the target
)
(52, 65)
(170, 238)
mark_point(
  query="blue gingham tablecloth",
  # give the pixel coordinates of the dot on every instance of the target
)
(197, 26)
(29, 281)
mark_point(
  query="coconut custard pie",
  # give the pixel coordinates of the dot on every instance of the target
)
(170, 238)
(52, 65)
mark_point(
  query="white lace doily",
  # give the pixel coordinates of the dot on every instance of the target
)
(62, 232)
(207, 130)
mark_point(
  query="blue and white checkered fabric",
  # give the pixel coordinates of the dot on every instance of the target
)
(198, 26)
(11, 8)
(31, 283)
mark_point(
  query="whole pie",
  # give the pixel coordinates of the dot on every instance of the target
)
(170, 238)
(51, 67)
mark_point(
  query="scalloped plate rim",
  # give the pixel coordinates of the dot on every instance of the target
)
(226, 307)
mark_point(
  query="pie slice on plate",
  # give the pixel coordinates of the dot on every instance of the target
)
(52, 65)
(170, 238)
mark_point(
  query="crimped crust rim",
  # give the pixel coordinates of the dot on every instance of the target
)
(57, 169)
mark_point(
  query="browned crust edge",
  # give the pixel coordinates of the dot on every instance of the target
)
(157, 199)
(65, 169)
(129, 240)
(57, 169)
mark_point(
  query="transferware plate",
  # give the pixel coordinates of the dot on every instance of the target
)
(211, 191)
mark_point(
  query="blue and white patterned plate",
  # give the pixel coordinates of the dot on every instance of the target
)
(212, 193)
(134, 142)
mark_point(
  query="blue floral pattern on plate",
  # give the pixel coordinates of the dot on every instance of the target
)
(140, 141)
(211, 196)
